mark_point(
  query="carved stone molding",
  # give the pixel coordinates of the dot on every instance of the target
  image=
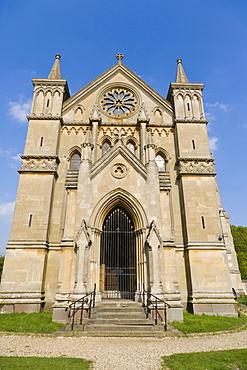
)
(33, 117)
(39, 163)
(191, 120)
(196, 166)
(75, 128)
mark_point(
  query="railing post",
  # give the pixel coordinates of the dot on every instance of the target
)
(156, 312)
(73, 320)
(81, 312)
(94, 293)
(165, 326)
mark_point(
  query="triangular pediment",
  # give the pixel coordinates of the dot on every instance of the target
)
(112, 153)
(118, 74)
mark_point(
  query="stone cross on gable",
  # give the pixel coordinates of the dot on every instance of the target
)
(119, 57)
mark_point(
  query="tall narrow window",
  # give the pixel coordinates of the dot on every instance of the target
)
(160, 161)
(203, 222)
(47, 104)
(75, 161)
(188, 105)
(105, 147)
(41, 141)
(131, 146)
(30, 220)
(193, 144)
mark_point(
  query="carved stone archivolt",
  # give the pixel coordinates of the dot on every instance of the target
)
(39, 163)
(196, 166)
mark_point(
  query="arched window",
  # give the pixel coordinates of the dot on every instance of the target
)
(160, 161)
(105, 147)
(131, 146)
(75, 161)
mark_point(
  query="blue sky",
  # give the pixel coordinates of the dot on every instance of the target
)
(210, 36)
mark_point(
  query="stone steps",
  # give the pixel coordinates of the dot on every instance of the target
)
(118, 319)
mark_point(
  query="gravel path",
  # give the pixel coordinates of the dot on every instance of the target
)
(117, 353)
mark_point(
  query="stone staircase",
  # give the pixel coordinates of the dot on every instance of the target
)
(123, 318)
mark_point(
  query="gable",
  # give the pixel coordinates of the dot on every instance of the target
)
(109, 156)
(100, 92)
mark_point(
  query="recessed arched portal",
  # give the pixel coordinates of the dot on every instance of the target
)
(119, 230)
(118, 255)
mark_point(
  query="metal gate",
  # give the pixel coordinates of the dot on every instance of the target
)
(118, 256)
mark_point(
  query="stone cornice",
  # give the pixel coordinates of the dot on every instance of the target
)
(47, 82)
(195, 159)
(189, 120)
(47, 118)
(191, 245)
(30, 156)
(102, 124)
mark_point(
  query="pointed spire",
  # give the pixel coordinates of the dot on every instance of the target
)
(55, 71)
(181, 76)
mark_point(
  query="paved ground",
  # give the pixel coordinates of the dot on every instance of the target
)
(117, 353)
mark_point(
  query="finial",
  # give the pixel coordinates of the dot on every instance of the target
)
(179, 60)
(58, 56)
(119, 57)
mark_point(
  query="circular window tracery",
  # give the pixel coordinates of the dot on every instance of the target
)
(119, 102)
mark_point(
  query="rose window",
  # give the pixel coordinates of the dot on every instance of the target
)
(119, 102)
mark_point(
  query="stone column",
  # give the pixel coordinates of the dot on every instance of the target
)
(95, 125)
(142, 139)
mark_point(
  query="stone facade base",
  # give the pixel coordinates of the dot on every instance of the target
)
(215, 309)
(22, 307)
(60, 315)
(22, 301)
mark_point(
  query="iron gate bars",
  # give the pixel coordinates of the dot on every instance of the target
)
(118, 256)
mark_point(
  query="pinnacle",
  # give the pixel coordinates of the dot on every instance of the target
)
(55, 71)
(181, 76)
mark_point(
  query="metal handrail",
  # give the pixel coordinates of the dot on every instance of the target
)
(147, 302)
(88, 299)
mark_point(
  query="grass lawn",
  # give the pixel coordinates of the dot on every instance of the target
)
(235, 359)
(242, 299)
(43, 363)
(28, 322)
(204, 323)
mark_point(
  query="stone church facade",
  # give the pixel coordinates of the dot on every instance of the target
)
(118, 188)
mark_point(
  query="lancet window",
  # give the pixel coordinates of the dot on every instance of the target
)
(106, 146)
(160, 161)
(75, 161)
(131, 146)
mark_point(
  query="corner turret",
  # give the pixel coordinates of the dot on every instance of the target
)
(50, 93)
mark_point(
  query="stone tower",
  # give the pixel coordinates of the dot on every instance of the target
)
(118, 189)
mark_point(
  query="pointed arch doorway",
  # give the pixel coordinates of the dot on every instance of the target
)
(118, 256)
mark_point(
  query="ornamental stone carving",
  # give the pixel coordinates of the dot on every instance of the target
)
(196, 166)
(38, 163)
